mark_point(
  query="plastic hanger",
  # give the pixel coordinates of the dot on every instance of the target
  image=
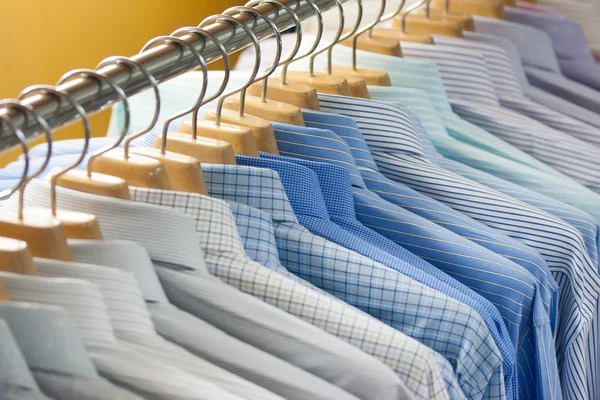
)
(298, 94)
(324, 82)
(89, 181)
(484, 8)
(261, 110)
(261, 129)
(203, 149)
(370, 76)
(241, 138)
(135, 169)
(41, 230)
(184, 172)
(422, 23)
(466, 21)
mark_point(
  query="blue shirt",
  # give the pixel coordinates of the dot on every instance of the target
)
(462, 259)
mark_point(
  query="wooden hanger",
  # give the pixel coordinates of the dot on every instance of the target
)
(241, 138)
(259, 108)
(134, 169)
(395, 35)
(423, 24)
(40, 229)
(16, 257)
(465, 21)
(324, 82)
(199, 148)
(484, 8)
(3, 295)
(370, 76)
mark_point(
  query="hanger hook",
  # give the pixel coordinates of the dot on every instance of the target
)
(192, 30)
(130, 63)
(349, 34)
(410, 9)
(90, 73)
(278, 46)
(319, 16)
(257, 57)
(182, 45)
(294, 51)
(21, 185)
(60, 94)
(338, 34)
(27, 109)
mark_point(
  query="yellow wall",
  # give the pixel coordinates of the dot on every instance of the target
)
(42, 39)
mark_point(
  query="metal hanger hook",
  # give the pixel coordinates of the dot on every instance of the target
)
(235, 23)
(90, 73)
(278, 46)
(182, 45)
(60, 94)
(315, 44)
(338, 34)
(411, 9)
(21, 185)
(130, 63)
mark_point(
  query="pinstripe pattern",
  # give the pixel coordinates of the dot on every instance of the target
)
(562, 248)
(309, 206)
(541, 64)
(262, 189)
(452, 254)
(225, 258)
(567, 154)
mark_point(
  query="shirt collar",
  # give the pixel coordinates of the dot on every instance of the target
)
(300, 183)
(216, 214)
(257, 187)
(81, 299)
(370, 121)
(567, 36)
(125, 256)
(499, 66)
(122, 296)
(464, 72)
(257, 233)
(168, 236)
(314, 144)
(61, 351)
(335, 183)
(534, 45)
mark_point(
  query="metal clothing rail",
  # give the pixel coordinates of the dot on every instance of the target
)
(163, 62)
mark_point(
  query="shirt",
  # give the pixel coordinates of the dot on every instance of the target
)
(325, 264)
(15, 375)
(59, 362)
(180, 264)
(568, 39)
(474, 98)
(453, 254)
(541, 65)
(511, 94)
(302, 188)
(118, 362)
(129, 316)
(184, 329)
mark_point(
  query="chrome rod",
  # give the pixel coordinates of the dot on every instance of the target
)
(163, 62)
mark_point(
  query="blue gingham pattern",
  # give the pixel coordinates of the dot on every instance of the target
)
(225, 258)
(453, 254)
(361, 281)
(303, 190)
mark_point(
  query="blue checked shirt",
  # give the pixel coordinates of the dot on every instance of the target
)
(464, 260)
(361, 281)
(310, 208)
